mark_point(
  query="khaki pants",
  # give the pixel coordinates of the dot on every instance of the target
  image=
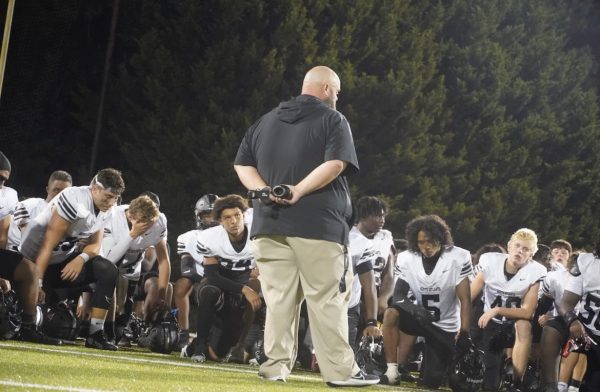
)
(292, 269)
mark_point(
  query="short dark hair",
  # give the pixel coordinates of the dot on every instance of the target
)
(229, 201)
(560, 243)
(370, 206)
(60, 175)
(110, 179)
(435, 227)
(543, 255)
(487, 248)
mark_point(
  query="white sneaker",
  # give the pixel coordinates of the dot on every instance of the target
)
(274, 378)
(199, 358)
(360, 379)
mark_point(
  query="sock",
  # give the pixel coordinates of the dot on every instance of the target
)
(562, 386)
(573, 389)
(109, 329)
(392, 371)
(576, 383)
(96, 325)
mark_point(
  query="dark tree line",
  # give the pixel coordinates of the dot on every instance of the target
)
(484, 112)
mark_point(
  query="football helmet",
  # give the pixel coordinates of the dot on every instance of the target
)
(10, 315)
(128, 326)
(467, 371)
(59, 321)
(204, 205)
(163, 335)
(370, 356)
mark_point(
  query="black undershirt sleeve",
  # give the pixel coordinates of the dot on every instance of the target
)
(211, 272)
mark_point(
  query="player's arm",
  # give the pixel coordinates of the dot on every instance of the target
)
(463, 292)
(91, 250)
(528, 305)
(250, 177)
(387, 284)
(367, 282)
(211, 272)
(4, 226)
(567, 310)
(477, 285)
(164, 268)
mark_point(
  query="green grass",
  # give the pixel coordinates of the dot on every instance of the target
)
(31, 367)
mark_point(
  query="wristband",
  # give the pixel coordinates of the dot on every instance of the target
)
(569, 317)
(85, 257)
(371, 323)
(40, 283)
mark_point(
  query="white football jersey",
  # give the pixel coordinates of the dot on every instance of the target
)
(125, 252)
(74, 204)
(587, 285)
(8, 201)
(24, 212)
(361, 251)
(214, 242)
(382, 243)
(554, 285)
(498, 291)
(437, 292)
(187, 243)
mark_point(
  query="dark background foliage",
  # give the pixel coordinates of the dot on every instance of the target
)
(482, 111)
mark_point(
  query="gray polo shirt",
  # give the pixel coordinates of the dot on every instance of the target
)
(285, 145)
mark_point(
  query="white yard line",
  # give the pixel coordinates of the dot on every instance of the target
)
(18, 384)
(151, 361)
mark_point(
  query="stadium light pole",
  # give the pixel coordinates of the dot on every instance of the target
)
(4, 52)
(107, 60)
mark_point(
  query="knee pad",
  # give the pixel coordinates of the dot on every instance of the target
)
(210, 296)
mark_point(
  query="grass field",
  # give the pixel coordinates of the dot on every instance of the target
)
(31, 367)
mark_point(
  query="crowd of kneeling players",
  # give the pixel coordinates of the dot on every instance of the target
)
(83, 265)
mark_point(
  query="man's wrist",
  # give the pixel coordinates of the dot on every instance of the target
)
(85, 257)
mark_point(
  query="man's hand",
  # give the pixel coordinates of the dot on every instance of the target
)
(140, 227)
(72, 269)
(576, 330)
(4, 285)
(487, 316)
(252, 297)
(372, 331)
(296, 195)
(158, 308)
(543, 319)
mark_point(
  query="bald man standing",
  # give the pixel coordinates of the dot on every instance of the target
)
(300, 241)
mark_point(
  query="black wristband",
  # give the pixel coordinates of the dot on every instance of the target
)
(569, 317)
(371, 323)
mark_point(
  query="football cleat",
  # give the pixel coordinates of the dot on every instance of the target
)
(99, 341)
(31, 334)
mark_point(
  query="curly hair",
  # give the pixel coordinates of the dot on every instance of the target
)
(229, 201)
(433, 226)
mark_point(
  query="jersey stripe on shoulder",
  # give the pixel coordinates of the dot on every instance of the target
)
(66, 208)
